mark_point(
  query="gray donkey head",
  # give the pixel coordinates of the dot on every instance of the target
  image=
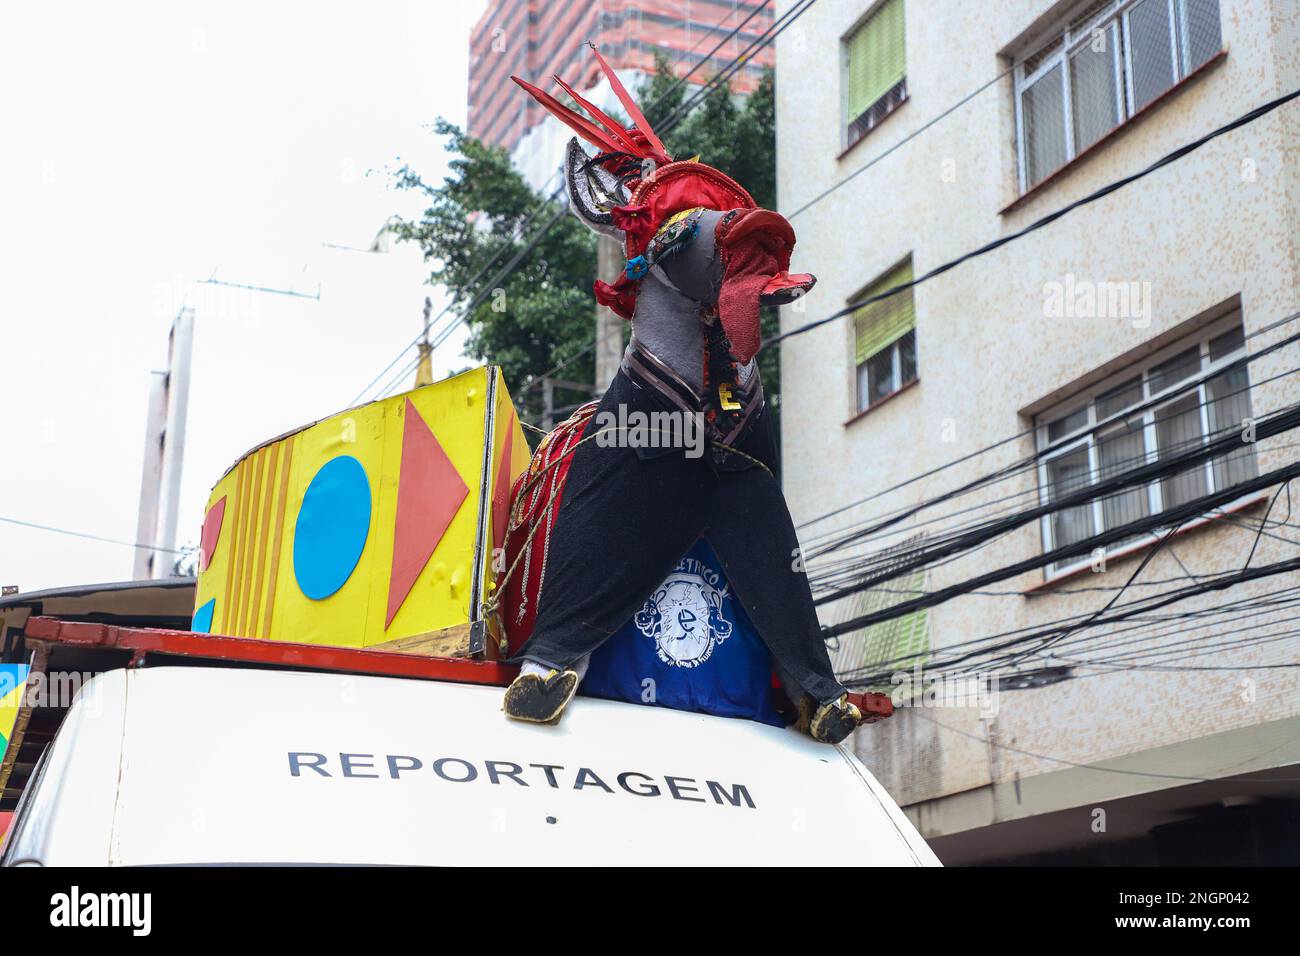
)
(692, 250)
(694, 240)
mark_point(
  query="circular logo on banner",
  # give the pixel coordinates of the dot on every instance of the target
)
(684, 616)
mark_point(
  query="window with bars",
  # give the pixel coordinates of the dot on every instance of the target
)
(885, 339)
(898, 644)
(875, 69)
(1111, 60)
(1183, 397)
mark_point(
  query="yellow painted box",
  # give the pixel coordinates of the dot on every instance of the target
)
(379, 527)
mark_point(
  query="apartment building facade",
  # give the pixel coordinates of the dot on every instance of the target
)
(1138, 327)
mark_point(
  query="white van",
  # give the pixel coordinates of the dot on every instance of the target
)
(216, 765)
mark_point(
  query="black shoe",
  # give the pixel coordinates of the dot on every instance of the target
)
(835, 720)
(538, 699)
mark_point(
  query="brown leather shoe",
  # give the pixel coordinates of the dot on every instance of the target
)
(540, 700)
(834, 721)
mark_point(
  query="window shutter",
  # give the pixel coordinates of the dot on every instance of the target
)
(883, 323)
(876, 57)
(1151, 53)
(881, 645)
(1199, 20)
(1042, 111)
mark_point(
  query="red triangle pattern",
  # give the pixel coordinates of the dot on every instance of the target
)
(211, 533)
(429, 493)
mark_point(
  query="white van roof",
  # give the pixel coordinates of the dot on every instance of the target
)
(211, 765)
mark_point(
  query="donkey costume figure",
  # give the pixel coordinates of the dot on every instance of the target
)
(701, 259)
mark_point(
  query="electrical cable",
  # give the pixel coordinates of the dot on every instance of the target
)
(1046, 220)
(94, 537)
(987, 448)
(1123, 613)
(1104, 423)
(673, 120)
(902, 142)
(518, 232)
(1286, 419)
(1092, 766)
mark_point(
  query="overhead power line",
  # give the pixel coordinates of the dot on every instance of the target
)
(777, 27)
(1020, 465)
(1050, 218)
(681, 80)
(1122, 771)
(902, 142)
(767, 37)
(924, 556)
(501, 250)
(93, 537)
(1140, 623)
(965, 655)
(881, 672)
(985, 449)
(672, 121)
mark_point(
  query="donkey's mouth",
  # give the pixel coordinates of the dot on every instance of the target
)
(783, 288)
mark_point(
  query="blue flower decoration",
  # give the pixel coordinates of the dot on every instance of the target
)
(637, 268)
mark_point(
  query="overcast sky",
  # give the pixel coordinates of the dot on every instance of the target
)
(149, 145)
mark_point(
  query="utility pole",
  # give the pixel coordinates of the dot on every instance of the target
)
(424, 368)
(164, 453)
(548, 404)
(609, 327)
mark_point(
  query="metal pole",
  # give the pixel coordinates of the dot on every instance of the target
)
(609, 327)
(180, 349)
(151, 474)
(424, 367)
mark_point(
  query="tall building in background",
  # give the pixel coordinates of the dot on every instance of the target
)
(535, 39)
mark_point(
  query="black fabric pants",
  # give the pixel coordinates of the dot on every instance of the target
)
(627, 517)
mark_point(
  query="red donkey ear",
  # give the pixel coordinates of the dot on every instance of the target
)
(755, 246)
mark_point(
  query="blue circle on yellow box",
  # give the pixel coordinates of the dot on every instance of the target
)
(332, 526)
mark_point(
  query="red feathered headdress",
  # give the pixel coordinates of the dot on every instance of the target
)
(662, 188)
(633, 186)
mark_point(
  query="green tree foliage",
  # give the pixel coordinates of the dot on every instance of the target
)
(476, 220)
(737, 138)
(542, 312)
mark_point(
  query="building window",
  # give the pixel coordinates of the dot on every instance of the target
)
(1178, 400)
(897, 644)
(1111, 60)
(875, 69)
(885, 339)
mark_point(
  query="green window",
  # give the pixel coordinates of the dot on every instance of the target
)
(882, 323)
(895, 645)
(876, 60)
(885, 339)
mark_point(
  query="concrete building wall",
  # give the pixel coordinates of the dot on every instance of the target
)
(1219, 226)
